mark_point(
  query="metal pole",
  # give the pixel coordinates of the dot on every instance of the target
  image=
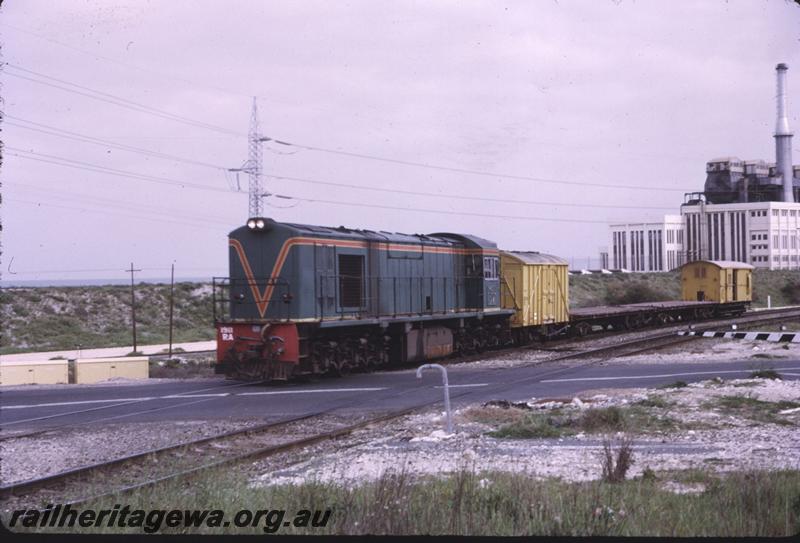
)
(171, 305)
(133, 306)
(446, 390)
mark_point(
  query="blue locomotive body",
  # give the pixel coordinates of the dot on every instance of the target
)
(307, 299)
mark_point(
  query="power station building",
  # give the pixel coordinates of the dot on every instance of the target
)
(647, 246)
(747, 212)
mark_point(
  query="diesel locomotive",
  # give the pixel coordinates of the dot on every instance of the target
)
(305, 300)
(312, 300)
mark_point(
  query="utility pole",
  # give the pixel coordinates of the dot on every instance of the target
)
(133, 306)
(171, 305)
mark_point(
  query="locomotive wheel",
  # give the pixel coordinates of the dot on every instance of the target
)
(341, 368)
(583, 329)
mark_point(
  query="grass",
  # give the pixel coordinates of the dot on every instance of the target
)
(756, 504)
(558, 423)
(596, 289)
(783, 287)
(753, 409)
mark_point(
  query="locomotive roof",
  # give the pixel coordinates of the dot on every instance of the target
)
(446, 239)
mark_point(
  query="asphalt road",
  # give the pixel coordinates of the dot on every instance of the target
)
(218, 399)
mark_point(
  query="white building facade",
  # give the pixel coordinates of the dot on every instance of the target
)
(764, 234)
(647, 246)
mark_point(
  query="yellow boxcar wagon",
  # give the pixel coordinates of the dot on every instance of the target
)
(721, 281)
(536, 286)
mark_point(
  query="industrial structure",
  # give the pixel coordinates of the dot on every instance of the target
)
(748, 212)
(647, 246)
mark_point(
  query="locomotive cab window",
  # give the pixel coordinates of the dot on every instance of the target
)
(473, 266)
(351, 280)
(490, 268)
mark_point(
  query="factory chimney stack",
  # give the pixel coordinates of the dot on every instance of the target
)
(783, 138)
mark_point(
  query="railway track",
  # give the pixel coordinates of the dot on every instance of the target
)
(259, 442)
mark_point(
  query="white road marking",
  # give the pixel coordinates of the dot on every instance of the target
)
(58, 404)
(309, 391)
(464, 386)
(623, 378)
(179, 396)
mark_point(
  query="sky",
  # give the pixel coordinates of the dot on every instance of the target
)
(533, 124)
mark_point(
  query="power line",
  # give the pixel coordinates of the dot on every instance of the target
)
(61, 133)
(98, 141)
(471, 172)
(440, 211)
(161, 180)
(116, 100)
(203, 224)
(101, 169)
(164, 114)
(462, 197)
(146, 208)
(147, 109)
(121, 63)
(80, 165)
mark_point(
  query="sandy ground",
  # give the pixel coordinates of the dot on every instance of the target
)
(418, 445)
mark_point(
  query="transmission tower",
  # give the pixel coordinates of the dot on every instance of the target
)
(254, 163)
(252, 166)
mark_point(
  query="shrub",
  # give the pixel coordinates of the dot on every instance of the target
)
(615, 464)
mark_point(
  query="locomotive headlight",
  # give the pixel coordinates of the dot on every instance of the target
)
(251, 224)
(260, 224)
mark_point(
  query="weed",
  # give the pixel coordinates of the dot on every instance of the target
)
(655, 401)
(676, 384)
(765, 374)
(616, 463)
(593, 421)
(753, 409)
(649, 475)
(533, 426)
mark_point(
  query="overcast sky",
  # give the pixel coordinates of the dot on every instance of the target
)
(580, 93)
